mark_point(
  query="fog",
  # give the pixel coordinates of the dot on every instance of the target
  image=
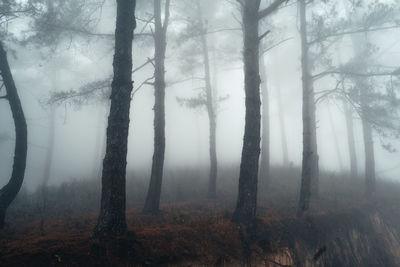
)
(80, 130)
(341, 55)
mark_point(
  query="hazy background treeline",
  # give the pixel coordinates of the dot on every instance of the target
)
(42, 66)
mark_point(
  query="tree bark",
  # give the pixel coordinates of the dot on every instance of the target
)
(265, 140)
(245, 211)
(309, 175)
(11, 189)
(112, 221)
(283, 130)
(152, 204)
(350, 139)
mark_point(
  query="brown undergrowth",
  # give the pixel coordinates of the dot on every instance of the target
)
(182, 233)
(191, 230)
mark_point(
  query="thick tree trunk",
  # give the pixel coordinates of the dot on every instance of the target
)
(309, 175)
(283, 130)
(112, 221)
(152, 204)
(265, 140)
(11, 189)
(245, 211)
(350, 139)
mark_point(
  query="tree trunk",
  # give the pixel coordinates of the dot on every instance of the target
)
(335, 140)
(50, 148)
(245, 211)
(265, 140)
(309, 175)
(283, 130)
(370, 180)
(11, 189)
(47, 167)
(152, 204)
(360, 50)
(212, 184)
(112, 221)
(350, 139)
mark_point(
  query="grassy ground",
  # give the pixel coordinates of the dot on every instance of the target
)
(56, 230)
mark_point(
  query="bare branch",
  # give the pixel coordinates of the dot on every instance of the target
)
(270, 9)
(275, 45)
(145, 25)
(326, 93)
(351, 73)
(263, 35)
(149, 60)
(145, 82)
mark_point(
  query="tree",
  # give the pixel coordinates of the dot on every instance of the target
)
(327, 29)
(198, 31)
(283, 129)
(348, 114)
(112, 220)
(245, 211)
(309, 173)
(11, 189)
(37, 11)
(152, 203)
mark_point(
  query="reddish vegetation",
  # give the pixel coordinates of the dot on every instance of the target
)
(191, 232)
(180, 234)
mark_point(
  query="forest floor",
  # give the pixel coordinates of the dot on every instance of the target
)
(185, 234)
(195, 232)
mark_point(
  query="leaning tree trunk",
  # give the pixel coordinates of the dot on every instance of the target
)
(152, 203)
(309, 175)
(265, 140)
(112, 221)
(11, 189)
(283, 130)
(245, 211)
(350, 139)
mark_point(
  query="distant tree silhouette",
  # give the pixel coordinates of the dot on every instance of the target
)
(152, 203)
